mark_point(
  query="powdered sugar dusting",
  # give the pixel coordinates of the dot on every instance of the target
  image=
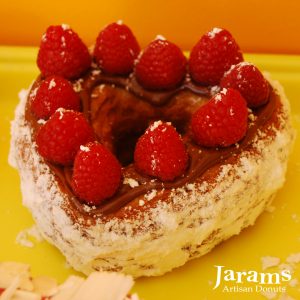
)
(151, 195)
(224, 91)
(63, 41)
(33, 92)
(217, 98)
(84, 148)
(77, 85)
(52, 84)
(41, 121)
(61, 112)
(190, 186)
(153, 160)
(131, 52)
(131, 182)
(96, 72)
(213, 32)
(160, 37)
(215, 89)
(155, 125)
(244, 63)
(88, 208)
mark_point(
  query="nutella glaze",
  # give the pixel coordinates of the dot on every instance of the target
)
(201, 159)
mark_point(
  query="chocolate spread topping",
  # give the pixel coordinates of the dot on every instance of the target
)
(200, 158)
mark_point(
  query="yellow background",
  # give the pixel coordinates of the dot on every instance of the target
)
(258, 26)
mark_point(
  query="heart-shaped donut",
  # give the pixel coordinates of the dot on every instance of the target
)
(140, 161)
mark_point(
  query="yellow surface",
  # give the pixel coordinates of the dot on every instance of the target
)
(275, 234)
(270, 26)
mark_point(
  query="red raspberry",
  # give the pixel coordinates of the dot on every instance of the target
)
(222, 121)
(60, 137)
(214, 54)
(54, 92)
(116, 49)
(249, 81)
(96, 173)
(62, 53)
(162, 65)
(160, 152)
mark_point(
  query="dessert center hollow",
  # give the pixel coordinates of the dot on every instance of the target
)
(119, 117)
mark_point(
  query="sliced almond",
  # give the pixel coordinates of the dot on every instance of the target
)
(9, 292)
(25, 295)
(68, 289)
(9, 270)
(45, 285)
(104, 286)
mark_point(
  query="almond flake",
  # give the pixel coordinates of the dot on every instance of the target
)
(269, 262)
(294, 258)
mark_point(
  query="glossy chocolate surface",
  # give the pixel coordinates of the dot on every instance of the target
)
(119, 109)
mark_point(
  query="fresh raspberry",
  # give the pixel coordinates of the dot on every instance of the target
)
(96, 173)
(60, 137)
(249, 81)
(161, 66)
(214, 54)
(160, 152)
(54, 92)
(62, 53)
(116, 49)
(222, 121)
